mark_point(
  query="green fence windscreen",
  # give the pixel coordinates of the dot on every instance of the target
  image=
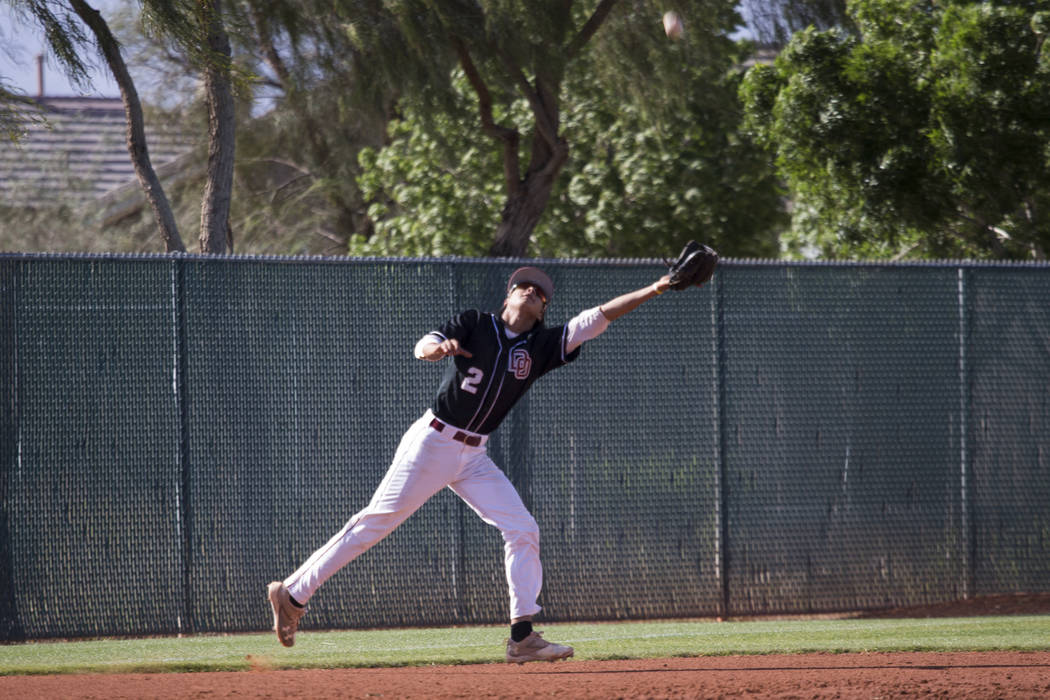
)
(91, 468)
(1008, 354)
(842, 458)
(179, 430)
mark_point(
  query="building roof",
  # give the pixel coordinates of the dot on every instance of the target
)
(74, 150)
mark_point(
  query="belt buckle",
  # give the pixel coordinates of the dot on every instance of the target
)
(472, 440)
(459, 435)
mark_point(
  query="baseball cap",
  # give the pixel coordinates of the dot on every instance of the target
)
(533, 275)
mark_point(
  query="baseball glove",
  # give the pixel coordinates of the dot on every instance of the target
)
(694, 266)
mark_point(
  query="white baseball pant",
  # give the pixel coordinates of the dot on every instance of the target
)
(427, 461)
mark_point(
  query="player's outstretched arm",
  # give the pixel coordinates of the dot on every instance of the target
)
(625, 303)
(591, 323)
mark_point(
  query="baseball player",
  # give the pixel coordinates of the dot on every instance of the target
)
(495, 359)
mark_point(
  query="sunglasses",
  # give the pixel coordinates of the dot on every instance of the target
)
(535, 287)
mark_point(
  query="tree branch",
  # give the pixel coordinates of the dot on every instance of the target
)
(507, 136)
(589, 28)
(265, 36)
(544, 124)
(996, 237)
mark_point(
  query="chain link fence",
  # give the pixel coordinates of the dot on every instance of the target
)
(176, 431)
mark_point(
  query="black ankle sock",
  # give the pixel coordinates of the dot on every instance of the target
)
(295, 602)
(520, 630)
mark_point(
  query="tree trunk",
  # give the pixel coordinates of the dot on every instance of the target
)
(524, 207)
(527, 199)
(215, 234)
(136, 131)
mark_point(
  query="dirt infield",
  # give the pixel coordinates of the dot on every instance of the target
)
(969, 675)
(869, 675)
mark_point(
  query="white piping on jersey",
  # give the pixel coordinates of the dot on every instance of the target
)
(492, 378)
(503, 376)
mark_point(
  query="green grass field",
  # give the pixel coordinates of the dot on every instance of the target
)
(411, 647)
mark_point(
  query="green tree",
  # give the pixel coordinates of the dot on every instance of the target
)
(337, 74)
(652, 160)
(313, 101)
(299, 159)
(636, 184)
(531, 52)
(435, 188)
(924, 134)
(642, 181)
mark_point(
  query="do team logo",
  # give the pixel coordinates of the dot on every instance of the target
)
(520, 363)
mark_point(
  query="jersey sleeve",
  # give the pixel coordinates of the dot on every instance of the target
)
(584, 326)
(552, 348)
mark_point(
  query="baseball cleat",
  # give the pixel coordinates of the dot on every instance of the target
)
(535, 648)
(285, 615)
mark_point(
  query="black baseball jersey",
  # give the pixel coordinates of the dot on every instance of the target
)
(477, 392)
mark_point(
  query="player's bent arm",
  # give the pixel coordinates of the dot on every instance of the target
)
(433, 347)
(625, 303)
(426, 347)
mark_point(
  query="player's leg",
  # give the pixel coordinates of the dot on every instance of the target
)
(488, 491)
(423, 465)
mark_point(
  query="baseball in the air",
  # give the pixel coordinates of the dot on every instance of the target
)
(673, 26)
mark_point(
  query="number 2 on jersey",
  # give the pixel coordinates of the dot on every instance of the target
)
(472, 380)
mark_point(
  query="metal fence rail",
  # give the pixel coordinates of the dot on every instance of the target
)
(177, 430)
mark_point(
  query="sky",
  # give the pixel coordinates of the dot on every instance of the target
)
(19, 46)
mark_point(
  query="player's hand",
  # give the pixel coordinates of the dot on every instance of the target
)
(451, 347)
(662, 285)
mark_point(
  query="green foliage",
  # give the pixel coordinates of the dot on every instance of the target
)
(638, 186)
(925, 134)
(15, 118)
(638, 182)
(650, 126)
(433, 191)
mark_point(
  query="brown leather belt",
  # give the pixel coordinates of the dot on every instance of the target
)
(472, 440)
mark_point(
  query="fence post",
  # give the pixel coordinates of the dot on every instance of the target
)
(965, 480)
(722, 518)
(459, 578)
(179, 388)
(10, 442)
